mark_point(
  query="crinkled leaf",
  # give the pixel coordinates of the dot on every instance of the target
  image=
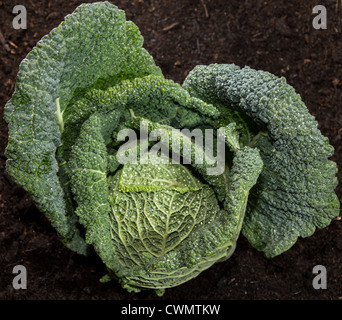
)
(295, 192)
(93, 46)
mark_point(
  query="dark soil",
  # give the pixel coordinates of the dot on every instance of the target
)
(276, 36)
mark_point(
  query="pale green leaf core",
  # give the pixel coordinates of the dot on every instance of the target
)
(59, 115)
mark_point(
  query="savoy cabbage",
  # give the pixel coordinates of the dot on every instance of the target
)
(159, 224)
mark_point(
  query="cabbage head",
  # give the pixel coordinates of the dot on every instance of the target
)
(160, 179)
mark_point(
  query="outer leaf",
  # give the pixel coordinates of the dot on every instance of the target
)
(152, 97)
(295, 192)
(94, 45)
(88, 177)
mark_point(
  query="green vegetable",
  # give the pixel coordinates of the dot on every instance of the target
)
(89, 85)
